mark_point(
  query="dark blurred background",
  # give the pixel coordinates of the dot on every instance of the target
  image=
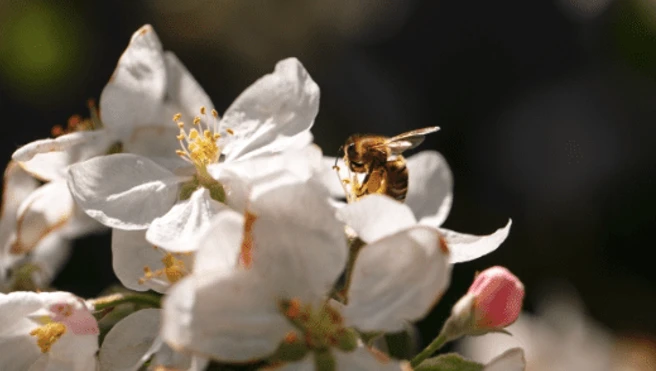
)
(547, 111)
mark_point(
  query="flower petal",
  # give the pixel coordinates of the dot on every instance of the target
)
(269, 114)
(297, 240)
(129, 343)
(156, 142)
(46, 210)
(123, 191)
(17, 186)
(510, 360)
(47, 159)
(376, 216)
(466, 247)
(131, 254)
(226, 317)
(136, 90)
(175, 230)
(220, 244)
(430, 187)
(49, 256)
(396, 279)
(331, 178)
(184, 93)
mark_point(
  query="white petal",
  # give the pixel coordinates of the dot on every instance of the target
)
(331, 178)
(184, 93)
(220, 244)
(269, 114)
(50, 255)
(158, 143)
(18, 185)
(128, 344)
(176, 229)
(397, 279)
(510, 360)
(229, 318)
(131, 253)
(466, 247)
(136, 90)
(47, 159)
(123, 190)
(46, 210)
(376, 216)
(363, 359)
(430, 187)
(297, 240)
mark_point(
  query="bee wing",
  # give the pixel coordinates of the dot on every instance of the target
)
(411, 139)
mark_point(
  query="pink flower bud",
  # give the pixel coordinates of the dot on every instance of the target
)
(498, 296)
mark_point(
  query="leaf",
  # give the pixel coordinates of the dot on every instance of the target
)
(449, 362)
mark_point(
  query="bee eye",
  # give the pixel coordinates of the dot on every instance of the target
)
(351, 149)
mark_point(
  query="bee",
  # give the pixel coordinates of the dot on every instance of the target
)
(381, 161)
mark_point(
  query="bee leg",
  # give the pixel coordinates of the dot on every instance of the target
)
(376, 180)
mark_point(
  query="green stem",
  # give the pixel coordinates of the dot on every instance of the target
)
(436, 344)
(113, 300)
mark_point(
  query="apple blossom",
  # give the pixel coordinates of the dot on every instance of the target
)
(20, 269)
(429, 197)
(47, 331)
(261, 283)
(272, 115)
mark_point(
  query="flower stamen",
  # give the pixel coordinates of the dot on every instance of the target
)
(174, 269)
(199, 145)
(48, 334)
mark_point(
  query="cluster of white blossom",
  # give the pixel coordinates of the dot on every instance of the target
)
(235, 219)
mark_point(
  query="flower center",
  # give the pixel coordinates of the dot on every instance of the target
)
(173, 270)
(199, 145)
(48, 334)
(320, 328)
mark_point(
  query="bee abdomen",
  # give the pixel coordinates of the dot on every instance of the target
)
(397, 179)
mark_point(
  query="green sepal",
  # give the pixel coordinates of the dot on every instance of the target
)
(116, 147)
(188, 188)
(290, 352)
(449, 362)
(324, 361)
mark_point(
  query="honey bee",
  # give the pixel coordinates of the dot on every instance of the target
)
(380, 160)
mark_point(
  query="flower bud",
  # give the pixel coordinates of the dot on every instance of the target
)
(493, 302)
(497, 298)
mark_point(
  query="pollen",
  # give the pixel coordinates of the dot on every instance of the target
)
(48, 334)
(199, 144)
(173, 270)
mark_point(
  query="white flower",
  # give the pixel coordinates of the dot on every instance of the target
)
(47, 331)
(21, 269)
(288, 251)
(135, 339)
(429, 198)
(272, 115)
(402, 271)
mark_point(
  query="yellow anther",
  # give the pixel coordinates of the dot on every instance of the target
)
(215, 114)
(48, 334)
(230, 131)
(177, 117)
(180, 152)
(217, 136)
(196, 120)
(207, 134)
(181, 124)
(193, 134)
(202, 110)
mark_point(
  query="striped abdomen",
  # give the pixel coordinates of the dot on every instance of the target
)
(396, 182)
